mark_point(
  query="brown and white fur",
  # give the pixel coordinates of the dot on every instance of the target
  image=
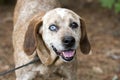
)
(53, 34)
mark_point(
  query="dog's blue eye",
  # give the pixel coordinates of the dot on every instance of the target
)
(53, 28)
(73, 25)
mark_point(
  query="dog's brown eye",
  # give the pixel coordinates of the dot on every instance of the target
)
(73, 25)
(53, 27)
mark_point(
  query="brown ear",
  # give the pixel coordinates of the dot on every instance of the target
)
(30, 42)
(84, 42)
(34, 42)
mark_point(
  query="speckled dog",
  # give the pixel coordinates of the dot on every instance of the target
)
(53, 34)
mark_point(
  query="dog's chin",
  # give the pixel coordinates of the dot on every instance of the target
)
(66, 55)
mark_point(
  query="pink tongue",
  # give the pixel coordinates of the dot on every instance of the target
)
(68, 53)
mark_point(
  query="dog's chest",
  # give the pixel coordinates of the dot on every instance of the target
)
(49, 71)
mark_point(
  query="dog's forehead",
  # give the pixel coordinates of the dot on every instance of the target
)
(60, 12)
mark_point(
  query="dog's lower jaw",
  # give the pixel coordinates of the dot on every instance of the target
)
(66, 55)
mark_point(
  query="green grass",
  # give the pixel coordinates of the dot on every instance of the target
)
(111, 4)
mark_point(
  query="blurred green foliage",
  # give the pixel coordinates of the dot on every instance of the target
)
(111, 4)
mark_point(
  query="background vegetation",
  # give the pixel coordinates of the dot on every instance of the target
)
(110, 4)
(8, 2)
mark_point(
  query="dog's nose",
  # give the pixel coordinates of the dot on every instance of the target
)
(68, 41)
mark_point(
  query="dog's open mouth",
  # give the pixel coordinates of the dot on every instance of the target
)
(67, 55)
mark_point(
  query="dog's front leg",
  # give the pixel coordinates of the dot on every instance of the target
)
(24, 74)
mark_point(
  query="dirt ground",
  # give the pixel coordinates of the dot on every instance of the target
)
(103, 27)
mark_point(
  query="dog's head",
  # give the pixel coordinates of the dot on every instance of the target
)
(58, 33)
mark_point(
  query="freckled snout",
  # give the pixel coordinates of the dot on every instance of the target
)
(68, 41)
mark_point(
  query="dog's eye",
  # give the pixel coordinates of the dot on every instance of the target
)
(73, 25)
(53, 27)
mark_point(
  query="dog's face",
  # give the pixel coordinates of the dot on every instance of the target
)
(62, 31)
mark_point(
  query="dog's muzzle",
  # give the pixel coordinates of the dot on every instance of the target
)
(68, 41)
(66, 55)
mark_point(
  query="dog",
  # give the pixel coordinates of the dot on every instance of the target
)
(54, 34)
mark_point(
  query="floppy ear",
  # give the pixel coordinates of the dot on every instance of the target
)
(43, 52)
(30, 42)
(34, 42)
(84, 42)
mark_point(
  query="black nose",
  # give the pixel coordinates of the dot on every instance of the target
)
(68, 41)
